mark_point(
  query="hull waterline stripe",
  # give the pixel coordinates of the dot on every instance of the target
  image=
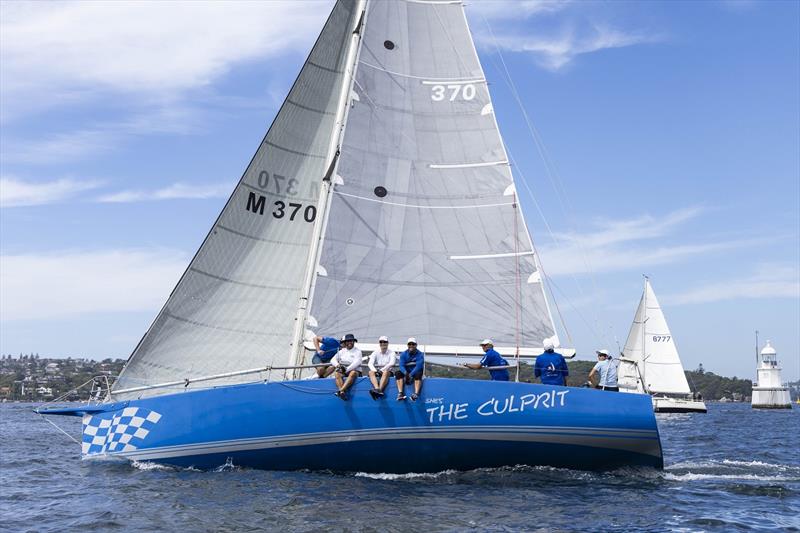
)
(638, 441)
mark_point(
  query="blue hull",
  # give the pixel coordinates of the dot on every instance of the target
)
(456, 424)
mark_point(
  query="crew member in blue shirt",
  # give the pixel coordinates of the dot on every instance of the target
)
(326, 348)
(551, 366)
(491, 358)
(411, 367)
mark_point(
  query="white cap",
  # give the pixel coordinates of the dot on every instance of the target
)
(486, 341)
(383, 338)
(411, 339)
(602, 352)
(548, 344)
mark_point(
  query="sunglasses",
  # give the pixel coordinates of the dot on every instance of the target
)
(383, 342)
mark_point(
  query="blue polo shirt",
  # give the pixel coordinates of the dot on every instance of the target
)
(492, 358)
(552, 368)
(412, 364)
(328, 348)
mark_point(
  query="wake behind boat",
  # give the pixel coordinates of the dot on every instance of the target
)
(380, 202)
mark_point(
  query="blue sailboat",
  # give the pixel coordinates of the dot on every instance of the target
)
(380, 202)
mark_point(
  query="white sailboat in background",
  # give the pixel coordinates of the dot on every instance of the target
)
(650, 363)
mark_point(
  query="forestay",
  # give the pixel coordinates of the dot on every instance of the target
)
(424, 235)
(234, 307)
(650, 360)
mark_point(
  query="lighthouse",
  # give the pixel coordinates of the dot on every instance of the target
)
(769, 392)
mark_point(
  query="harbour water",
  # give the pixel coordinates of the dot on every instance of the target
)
(733, 469)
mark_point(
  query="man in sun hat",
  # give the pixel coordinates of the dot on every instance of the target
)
(551, 366)
(380, 365)
(411, 367)
(347, 362)
(491, 358)
(607, 369)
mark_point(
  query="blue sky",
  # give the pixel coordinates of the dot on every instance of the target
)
(668, 145)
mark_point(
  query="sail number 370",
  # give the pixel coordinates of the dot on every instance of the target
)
(452, 92)
(280, 209)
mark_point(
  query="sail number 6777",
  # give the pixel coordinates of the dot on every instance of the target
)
(452, 92)
(662, 338)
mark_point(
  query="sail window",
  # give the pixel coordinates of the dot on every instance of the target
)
(389, 45)
(380, 191)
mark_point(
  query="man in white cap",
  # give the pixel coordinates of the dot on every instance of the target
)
(551, 366)
(411, 367)
(491, 358)
(380, 365)
(607, 368)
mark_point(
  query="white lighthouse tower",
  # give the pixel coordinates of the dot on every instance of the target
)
(769, 392)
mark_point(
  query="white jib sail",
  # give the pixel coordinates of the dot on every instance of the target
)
(650, 359)
(234, 308)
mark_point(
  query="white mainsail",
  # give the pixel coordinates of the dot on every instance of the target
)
(650, 361)
(381, 202)
(425, 235)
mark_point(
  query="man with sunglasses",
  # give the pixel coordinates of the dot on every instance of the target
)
(347, 363)
(326, 348)
(380, 365)
(411, 367)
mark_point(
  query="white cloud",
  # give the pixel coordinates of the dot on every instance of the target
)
(66, 51)
(612, 247)
(556, 51)
(71, 283)
(176, 191)
(554, 41)
(769, 281)
(15, 192)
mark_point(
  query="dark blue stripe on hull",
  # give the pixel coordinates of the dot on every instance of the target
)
(420, 455)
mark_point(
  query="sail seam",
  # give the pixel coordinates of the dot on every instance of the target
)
(321, 67)
(247, 236)
(221, 328)
(307, 108)
(471, 79)
(246, 284)
(296, 152)
(468, 165)
(490, 256)
(421, 206)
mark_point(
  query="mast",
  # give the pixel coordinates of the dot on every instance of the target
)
(323, 204)
(644, 334)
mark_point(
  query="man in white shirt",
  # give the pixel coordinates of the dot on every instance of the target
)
(347, 362)
(380, 365)
(607, 370)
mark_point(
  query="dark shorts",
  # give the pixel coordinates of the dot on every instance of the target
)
(612, 389)
(343, 370)
(407, 376)
(320, 360)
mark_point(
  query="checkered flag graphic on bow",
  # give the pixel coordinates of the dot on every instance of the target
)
(117, 434)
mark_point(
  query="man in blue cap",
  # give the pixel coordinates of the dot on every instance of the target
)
(551, 366)
(411, 367)
(491, 358)
(326, 348)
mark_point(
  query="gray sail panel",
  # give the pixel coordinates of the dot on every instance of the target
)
(234, 307)
(421, 235)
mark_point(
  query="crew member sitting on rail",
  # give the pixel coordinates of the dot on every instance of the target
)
(380, 365)
(551, 366)
(347, 362)
(412, 366)
(326, 348)
(607, 368)
(491, 358)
